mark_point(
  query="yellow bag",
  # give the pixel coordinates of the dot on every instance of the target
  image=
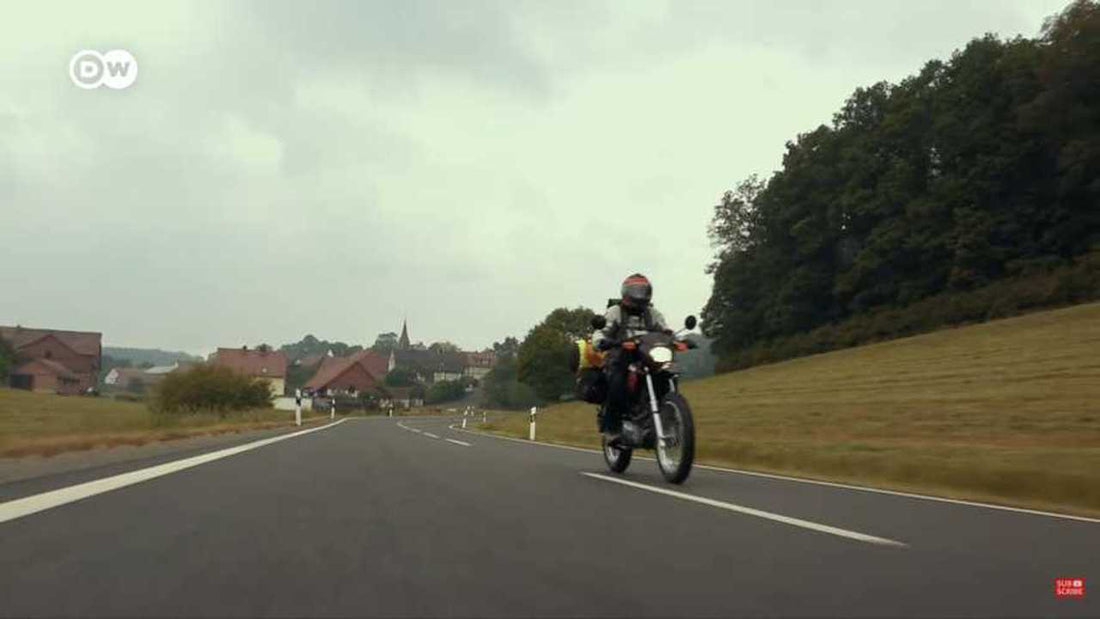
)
(587, 356)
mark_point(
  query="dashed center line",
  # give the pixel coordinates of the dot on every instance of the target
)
(457, 442)
(430, 435)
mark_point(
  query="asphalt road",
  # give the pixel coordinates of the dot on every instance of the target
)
(368, 518)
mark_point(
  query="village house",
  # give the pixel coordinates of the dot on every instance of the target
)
(400, 397)
(54, 360)
(259, 364)
(359, 373)
(478, 364)
(138, 380)
(431, 367)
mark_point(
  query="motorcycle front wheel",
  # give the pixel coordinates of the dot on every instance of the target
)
(617, 458)
(676, 452)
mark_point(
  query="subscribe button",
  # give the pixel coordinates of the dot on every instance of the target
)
(1069, 587)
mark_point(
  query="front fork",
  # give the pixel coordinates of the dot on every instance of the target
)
(655, 409)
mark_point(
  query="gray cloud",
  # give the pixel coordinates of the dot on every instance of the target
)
(282, 168)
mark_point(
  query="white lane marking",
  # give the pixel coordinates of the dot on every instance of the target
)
(816, 482)
(457, 442)
(908, 495)
(526, 441)
(797, 522)
(430, 435)
(56, 498)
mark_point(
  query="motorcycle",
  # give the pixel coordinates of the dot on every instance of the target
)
(660, 417)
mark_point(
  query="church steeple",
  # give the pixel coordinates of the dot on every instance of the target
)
(403, 342)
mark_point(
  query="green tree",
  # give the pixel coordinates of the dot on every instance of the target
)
(501, 387)
(445, 391)
(384, 343)
(444, 347)
(7, 359)
(310, 345)
(207, 387)
(975, 169)
(400, 377)
(509, 347)
(543, 357)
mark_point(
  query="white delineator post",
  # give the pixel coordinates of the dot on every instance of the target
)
(534, 410)
(332, 411)
(297, 407)
(483, 417)
(465, 414)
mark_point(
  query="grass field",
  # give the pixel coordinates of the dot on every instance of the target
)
(1007, 411)
(40, 424)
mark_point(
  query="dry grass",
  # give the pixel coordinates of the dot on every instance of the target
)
(39, 424)
(1007, 411)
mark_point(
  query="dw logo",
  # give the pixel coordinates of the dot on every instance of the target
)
(115, 69)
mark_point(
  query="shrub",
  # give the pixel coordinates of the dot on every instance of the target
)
(446, 391)
(207, 387)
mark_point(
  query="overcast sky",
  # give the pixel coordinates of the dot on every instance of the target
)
(283, 168)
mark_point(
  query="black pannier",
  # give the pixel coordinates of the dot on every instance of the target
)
(592, 385)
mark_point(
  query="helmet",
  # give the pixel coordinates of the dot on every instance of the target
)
(636, 293)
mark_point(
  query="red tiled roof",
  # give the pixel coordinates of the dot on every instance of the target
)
(256, 363)
(333, 367)
(376, 364)
(82, 342)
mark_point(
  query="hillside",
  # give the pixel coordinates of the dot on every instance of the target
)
(1003, 411)
(137, 356)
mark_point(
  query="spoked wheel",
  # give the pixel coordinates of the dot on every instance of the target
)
(676, 452)
(618, 458)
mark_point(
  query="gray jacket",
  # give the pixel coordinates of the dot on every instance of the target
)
(622, 325)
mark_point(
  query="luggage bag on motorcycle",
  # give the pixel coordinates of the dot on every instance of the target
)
(587, 363)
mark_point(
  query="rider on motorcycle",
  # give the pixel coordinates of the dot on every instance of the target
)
(632, 316)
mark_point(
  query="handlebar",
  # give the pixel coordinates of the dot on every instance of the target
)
(607, 343)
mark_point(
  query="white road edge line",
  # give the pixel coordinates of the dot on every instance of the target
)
(26, 506)
(816, 482)
(458, 442)
(430, 435)
(797, 522)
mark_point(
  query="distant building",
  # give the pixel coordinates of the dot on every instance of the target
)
(139, 379)
(131, 379)
(403, 341)
(359, 373)
(430, 367)
(400, 397)
(259, 364)
(478, 364)
(53, 360)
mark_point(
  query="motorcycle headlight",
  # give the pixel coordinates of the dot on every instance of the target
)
(661, 354)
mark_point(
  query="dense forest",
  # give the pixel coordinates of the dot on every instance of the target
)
(967, 191)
